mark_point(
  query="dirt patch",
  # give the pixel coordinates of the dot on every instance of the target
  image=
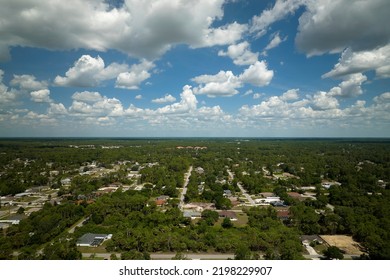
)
(344, 242)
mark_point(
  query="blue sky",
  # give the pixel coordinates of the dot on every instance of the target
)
(240, 68)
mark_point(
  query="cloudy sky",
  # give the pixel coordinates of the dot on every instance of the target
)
(156, 68)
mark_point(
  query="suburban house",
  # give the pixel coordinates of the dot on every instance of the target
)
(6, 200)
(296, 195)
(92, 239)
(105, 190)
(267, 200)
(14, 219)
(228, 214)
(283, 214)
(199, 170)
(66, 182)
(227, 193)
(279, 203)
(191, 214)
(162, 200)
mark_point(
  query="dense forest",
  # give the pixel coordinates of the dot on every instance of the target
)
(356, 202)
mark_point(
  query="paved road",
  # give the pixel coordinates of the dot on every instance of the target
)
(239, 184)
(251, 201)
(168, 256)
(6, 212)
(193, 256)
(231, 175)
(199, 256)
(312, 253)
(78, 224)
(186, 181)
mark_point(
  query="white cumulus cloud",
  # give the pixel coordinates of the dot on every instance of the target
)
(87, 96)
(225, 83)
(383, 98)
(143, 29)
(257, 74)
(41, 96)
(224, 35)
(324, 101)
(135, 76)
(6, 96)
(28, 83)
(57, 109)
(89, 71)
(275, 41)
(240, 54)
(279, 11)
(94, 104)
(166, 99)
(333, 25)
(188, 103)
(221, 84)
(350, 87)
(352, 62)
(291, 94)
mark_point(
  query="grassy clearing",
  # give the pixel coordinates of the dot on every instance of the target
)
(320, 248)
(93, 250)
(242, 220)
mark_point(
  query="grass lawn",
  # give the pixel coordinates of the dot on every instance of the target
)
(320, 248)
(242, 220)
(92, 257)
(92, 250)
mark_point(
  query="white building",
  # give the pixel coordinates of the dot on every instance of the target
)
(267, 200)
(92, 239)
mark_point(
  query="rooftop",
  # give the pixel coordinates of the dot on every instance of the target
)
(92, 239)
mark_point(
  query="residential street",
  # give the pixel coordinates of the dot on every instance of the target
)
(231, 177)
(168, 256)
(251, 201)
(184, 191)
(78, 224)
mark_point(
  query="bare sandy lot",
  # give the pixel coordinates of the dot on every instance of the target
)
(343, 242)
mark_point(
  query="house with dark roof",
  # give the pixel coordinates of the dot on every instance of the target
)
(296, 195)
(92, 239)
(4, 226)
(228, 214)
(191, 214)
(14, 219)
(227, 193)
